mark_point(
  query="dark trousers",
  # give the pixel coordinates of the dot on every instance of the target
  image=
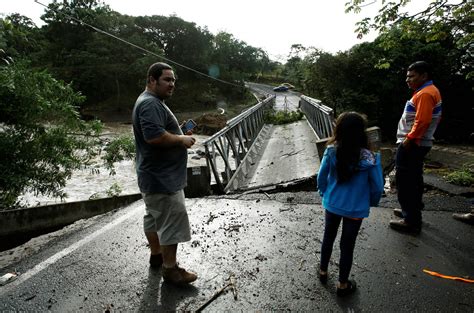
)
(350, 230)
(409, 180)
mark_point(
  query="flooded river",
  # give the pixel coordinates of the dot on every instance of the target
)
(87, 184)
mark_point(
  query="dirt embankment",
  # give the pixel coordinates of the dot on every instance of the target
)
(207, 123)
(210, 123)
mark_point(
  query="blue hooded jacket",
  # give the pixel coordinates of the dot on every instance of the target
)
(352, 198)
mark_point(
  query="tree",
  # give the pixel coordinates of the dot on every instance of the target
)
(441, 34)
(42, 139)
(78, 44)
(441, 20)
(75, 52)
(19, 37)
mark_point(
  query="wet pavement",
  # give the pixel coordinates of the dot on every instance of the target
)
(269, 244)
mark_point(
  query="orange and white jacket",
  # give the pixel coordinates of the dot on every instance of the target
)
(421, 116)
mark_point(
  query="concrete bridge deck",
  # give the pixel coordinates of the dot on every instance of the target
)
(290, 155)
(287, 154)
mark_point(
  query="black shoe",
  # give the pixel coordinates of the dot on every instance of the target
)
(398, 213)
(351, 287)
(403, 226)
(323, 278)
(156, 260)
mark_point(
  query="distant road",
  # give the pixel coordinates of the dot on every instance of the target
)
(284, 99)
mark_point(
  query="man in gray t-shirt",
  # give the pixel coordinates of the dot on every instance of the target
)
(159, 169)
(161, 162)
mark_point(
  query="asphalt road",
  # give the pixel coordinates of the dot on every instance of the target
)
(284, 100)
(270, 243)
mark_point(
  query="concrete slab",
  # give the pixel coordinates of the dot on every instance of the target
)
(453, 156)
(290, 155)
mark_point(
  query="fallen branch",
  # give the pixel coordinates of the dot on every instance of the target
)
(231, 284)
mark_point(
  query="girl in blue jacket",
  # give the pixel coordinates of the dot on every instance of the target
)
(349, 181)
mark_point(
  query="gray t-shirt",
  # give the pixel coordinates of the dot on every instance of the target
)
(159, 169)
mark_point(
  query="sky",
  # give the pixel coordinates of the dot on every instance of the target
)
(273, 25)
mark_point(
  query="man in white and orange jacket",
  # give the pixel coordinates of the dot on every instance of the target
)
(416, 128)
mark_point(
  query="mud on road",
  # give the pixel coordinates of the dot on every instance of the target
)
(270, 245)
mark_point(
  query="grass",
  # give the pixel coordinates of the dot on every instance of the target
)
(283, 117)
(460, 177)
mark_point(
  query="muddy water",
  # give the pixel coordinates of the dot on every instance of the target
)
(87, 184)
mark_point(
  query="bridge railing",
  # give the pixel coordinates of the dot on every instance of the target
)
(319, 116)
(321, 119)
(227, 148)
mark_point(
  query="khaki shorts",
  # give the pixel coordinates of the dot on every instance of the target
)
(166, 214)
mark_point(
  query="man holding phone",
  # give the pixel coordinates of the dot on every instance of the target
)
(161, 164)
(188, 126)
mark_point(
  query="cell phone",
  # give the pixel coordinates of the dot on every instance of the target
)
(189, 125)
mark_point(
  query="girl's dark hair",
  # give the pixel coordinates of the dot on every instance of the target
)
(349, 138)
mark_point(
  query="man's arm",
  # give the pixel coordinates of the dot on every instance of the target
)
(168, 140)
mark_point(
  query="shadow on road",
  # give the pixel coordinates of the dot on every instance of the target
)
(164, 297)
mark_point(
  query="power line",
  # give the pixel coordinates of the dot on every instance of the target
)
(138, 47)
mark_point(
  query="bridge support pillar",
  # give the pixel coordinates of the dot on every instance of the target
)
(199, 182)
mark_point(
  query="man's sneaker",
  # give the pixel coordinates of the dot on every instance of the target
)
(403, 226)
(398, 213)
(466, 218)
(178, 276)
(156, 260)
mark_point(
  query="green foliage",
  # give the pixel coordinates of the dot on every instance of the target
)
(370, 78)
(110, 73)
(18, 37)
(114, 190)
(462, 177)
(441, 20)
(119, 149)
(282, 117)
(42, 139)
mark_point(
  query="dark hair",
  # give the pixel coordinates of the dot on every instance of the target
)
(421, 67)
(155, 70)
(349, 138)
